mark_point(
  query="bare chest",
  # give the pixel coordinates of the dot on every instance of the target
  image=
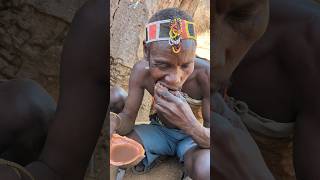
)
(266, 88)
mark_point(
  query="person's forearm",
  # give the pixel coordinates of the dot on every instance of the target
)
(126, 124)
(200, 134)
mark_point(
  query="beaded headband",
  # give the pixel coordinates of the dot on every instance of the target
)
(172, 30)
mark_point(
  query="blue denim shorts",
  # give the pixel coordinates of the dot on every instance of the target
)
(159, 140)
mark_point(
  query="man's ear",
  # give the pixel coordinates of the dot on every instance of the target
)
(145, 50)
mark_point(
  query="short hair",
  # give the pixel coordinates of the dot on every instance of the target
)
(170, 13)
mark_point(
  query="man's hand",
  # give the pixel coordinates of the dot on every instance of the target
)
(177, 112)
(174, 108)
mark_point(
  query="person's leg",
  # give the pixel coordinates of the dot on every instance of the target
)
(156, 143)
(197, 163)
(25, 112)
(133, 135)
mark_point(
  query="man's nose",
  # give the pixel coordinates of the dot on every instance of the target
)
(173, 78)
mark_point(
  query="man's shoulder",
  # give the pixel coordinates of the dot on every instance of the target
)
(202, 67)
(298, 38)
(302, 48)
(141, 67)
(201, 73)
(140, 71)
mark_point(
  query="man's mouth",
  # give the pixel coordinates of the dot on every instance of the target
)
(169, 87)
(173, 89)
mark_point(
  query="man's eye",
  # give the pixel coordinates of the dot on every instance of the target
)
(184, 66)
(162, 66)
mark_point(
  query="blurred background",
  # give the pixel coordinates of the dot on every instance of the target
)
(32, 33)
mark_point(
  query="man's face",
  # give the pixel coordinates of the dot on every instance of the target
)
(171, 69)
(237, 25)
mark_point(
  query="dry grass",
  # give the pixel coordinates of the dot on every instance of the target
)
(202, 16)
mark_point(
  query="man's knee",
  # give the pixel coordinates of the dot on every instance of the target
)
(118, 98)
(198, 165)
(133, 135)
(33, 103)
(201, 169)
(31, 109)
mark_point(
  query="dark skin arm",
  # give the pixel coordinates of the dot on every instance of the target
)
(307, 73)
(83, 98)
(125, 124)
(201, 134)
(306, 148)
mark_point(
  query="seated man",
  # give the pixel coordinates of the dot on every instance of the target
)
(179, 83)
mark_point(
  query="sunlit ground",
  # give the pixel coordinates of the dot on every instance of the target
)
(203, 45)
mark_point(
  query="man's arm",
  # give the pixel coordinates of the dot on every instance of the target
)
(134, 100)
(307, 131)
(83, 97)
(306, 145)
(199, 133)
(307, 128)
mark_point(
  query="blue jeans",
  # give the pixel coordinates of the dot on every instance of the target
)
(159, 140)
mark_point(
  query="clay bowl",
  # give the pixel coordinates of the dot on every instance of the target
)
(125, 152)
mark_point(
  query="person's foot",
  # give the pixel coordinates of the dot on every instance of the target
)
(141, 169)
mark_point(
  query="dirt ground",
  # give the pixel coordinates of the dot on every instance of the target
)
(170, 169)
